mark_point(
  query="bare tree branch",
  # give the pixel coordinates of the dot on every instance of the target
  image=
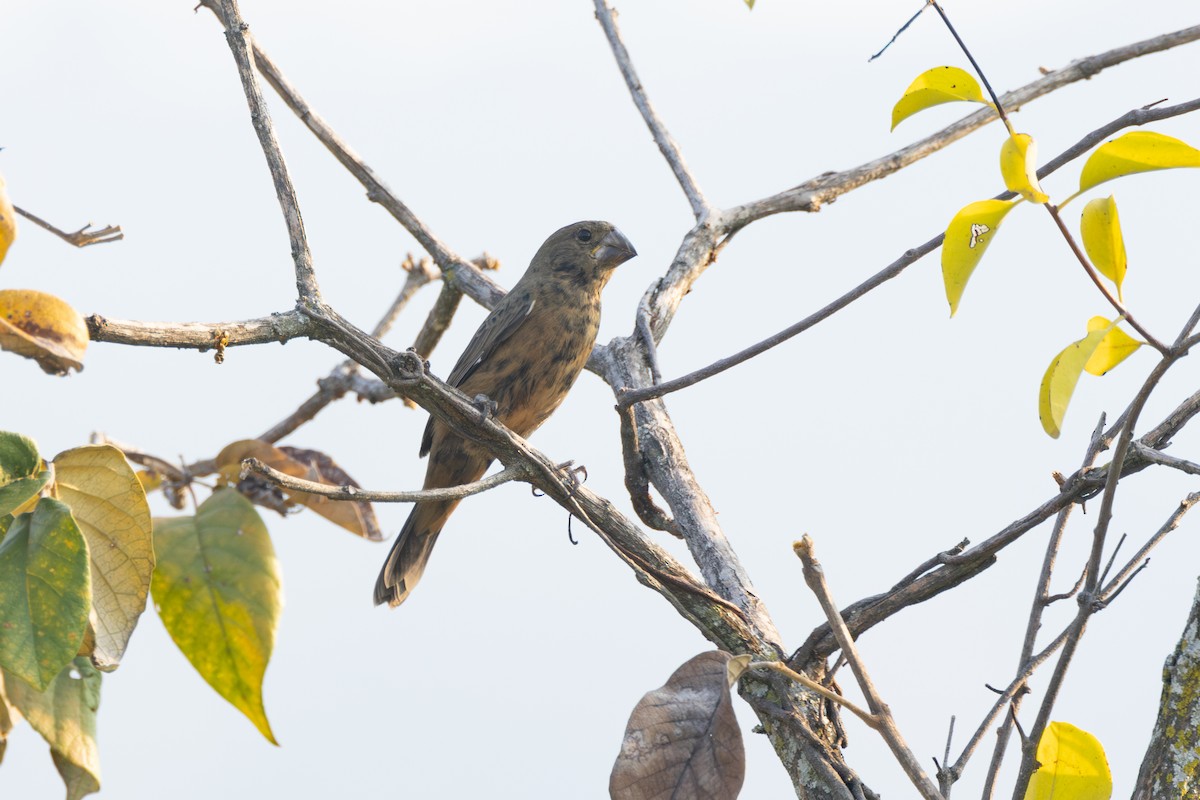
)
(1088, 597)
(279, 327)
(823, 189)
(814, 576)
(260, 119)
(1136, 117)
(666, 143)
(1041, 600)
(456, 269)
(1159, 457)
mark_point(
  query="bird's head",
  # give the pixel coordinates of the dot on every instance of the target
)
(583, 253)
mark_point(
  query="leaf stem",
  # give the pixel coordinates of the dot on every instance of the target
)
(1091, 273)
(975, 64)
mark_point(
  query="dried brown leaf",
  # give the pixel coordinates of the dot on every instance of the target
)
(358, 517)
(682, 741)
(42, 327)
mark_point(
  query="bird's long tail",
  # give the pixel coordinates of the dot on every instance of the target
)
(406, 563)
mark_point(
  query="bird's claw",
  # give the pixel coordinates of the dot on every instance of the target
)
(576, 476)
(486, 405)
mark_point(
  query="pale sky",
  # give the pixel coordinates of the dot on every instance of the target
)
(887, 433)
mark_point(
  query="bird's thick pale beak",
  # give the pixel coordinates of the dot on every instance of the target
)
(613, 249)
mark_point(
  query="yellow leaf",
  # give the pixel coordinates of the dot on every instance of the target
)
(1073, 766)
(109, 504)
(42, 327)
(218, 591)
(934, 87)
(1100, 228)
(1115, 347)
(967, 236)
(149, 479)
(1018, 165)
(8, 222)
(1138, 151)
(1058, 384)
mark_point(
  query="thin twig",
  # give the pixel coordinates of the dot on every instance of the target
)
(642, 321)
(439, 319)
(1007, 697)
(341, 378)
(1088, 597)
(944, 557)
(148, 460)
(892, 41)
(978, 70)
(945, 785)
(632, 396)
(808, 683)
(814, 576)
(1092, 274)
(666, 144)
(1111, 558)
(80, 238)
(418, 273)
(516, 472)
(1041, 599)
(1139, 558)
(260, 119)
(1058, 597)
(1159, 457)
(456, 269)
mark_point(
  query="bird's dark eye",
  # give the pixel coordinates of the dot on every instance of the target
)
(584, 235)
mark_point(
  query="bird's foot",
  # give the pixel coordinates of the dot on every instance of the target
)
(576, 476)
(486, 405)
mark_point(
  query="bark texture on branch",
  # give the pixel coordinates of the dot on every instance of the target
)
(1171, 767)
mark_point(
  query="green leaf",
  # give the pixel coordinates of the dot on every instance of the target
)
(18, 457)
(22, 490)
(65, 716)
(217, 588)
(1137, 151)
(108, 503)
(1073, 766)
(934, 87)
(967, 237)
(45, 593)
(1100, 229)
(1115, 347)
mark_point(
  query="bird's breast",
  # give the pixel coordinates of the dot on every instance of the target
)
(529, 377)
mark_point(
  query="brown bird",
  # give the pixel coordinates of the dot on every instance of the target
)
(525, 357)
